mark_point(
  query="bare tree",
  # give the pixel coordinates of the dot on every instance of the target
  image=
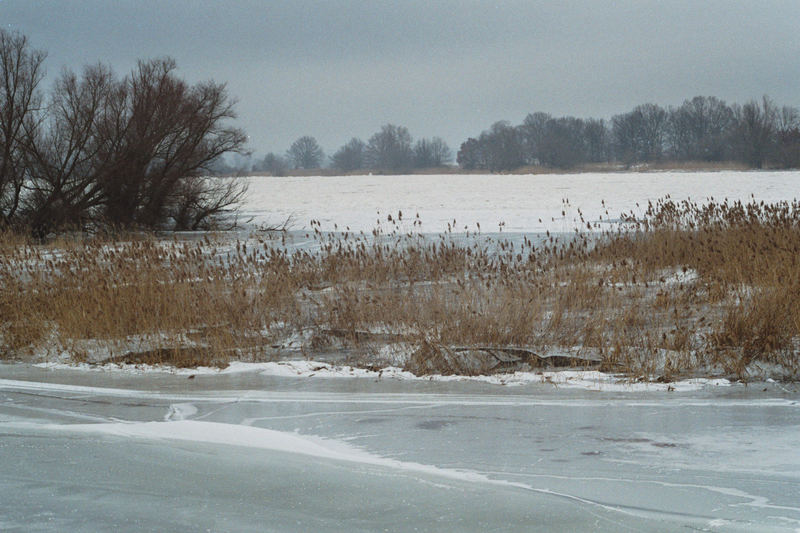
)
(199, 201)
(275, 164)
(504, 148)
(429, 153)
(533, 133)
(131, 152)
(755, 131)
(700, 129)
(562, 144)
(788, 149)
(67, 157)
(21, 72)
(541, 139)
(173, 132)
(597, 140)
(305, 153)
(640, 134)
(499, 148)
(788, 119)
(471, 155)
(350, 156)
(390, 149)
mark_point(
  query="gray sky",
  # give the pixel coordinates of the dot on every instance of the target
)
(337, 69)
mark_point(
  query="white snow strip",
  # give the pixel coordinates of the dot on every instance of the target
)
(229, 434)
(589, 380)
(137, 368)
(367, 398)
(13, 384)
(573, 379)
(256, 437)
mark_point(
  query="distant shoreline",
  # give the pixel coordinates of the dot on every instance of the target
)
(667, 166)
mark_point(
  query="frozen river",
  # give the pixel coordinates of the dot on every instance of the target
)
(521, 203)
(92, 451)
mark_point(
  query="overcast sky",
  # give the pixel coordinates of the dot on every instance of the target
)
(337, 69)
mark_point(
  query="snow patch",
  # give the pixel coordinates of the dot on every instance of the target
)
(180, 411)
(572, 379)
(262, 438)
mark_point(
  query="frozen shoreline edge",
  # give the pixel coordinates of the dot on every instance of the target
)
(572, 379)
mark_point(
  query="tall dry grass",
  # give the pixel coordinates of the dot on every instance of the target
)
(685, 288)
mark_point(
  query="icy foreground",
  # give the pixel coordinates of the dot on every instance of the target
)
(250, 451)
(518, 202)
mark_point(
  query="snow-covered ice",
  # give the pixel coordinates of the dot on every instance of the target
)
(251, 450)
(518, 201)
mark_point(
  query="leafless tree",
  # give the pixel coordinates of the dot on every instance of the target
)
(429, 153)
(563, 144)
(275, 164)
(305, 153)
(471, 155)
(700, 129)
(199, 201)
(703, 128)
(597, 140)
(130, 152)
(533, 132)
(640, 134)
(350, 156)
(499, 148)
(503, 147)
(390, 149)
(66, 158)
(788, 152)
(21, 72)
(756, 127)
(174, 131)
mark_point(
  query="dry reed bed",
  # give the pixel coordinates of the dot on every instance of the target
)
(684, 289)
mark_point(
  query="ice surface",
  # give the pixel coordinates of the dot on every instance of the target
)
(248, 451)
(518, 201)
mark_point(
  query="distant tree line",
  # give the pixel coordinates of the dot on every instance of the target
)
(704, 129)
(390, 150)
(758, 134)
(104, 150)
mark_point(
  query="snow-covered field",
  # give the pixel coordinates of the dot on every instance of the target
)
(516, 201)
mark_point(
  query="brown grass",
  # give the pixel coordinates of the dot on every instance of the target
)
(684, 289)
